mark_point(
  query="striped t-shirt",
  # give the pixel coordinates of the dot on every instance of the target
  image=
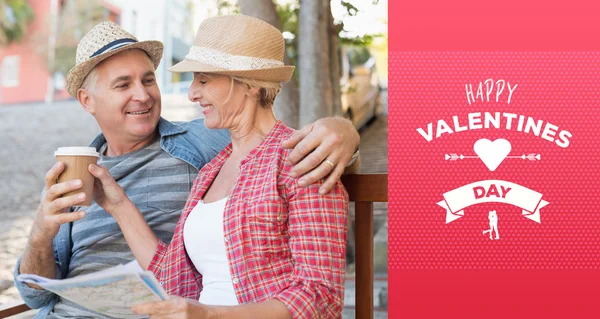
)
(158, 184)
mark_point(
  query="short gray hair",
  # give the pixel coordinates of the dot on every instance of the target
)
(89, 83)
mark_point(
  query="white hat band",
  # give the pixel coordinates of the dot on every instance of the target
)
(226, 61)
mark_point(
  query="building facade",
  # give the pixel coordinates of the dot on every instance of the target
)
(24, 75)
(169, 21)
(24, 67)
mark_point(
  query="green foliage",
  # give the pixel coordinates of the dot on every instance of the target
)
(64, 59)
(15, 16)
(358, 55)
(363, 41)
(288, 16)
(75, 18)
(226, 7)
(352, 10)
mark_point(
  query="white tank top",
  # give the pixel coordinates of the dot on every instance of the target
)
(204, 242)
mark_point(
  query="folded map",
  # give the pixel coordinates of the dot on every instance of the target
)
(111, 292)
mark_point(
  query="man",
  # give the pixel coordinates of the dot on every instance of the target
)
(154, 160)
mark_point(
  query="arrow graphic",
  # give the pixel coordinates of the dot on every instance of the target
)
(454, 157)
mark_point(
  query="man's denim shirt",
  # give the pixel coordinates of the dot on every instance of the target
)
(191, 142)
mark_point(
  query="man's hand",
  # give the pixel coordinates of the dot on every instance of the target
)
(322, 148)
(53, 210)
(175, 307)
(38, 257)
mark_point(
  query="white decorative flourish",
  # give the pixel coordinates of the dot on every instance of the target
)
(228, 61)
(492, 153)
(531, 157)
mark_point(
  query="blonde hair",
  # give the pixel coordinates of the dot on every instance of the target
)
(267, 90)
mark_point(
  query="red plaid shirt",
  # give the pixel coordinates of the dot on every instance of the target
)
(282, 241)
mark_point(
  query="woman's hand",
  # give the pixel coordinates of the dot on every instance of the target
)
(111, 196)
(175, 307)
(107, 192)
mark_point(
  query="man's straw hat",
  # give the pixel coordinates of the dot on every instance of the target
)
(101, 42)
(238, 45)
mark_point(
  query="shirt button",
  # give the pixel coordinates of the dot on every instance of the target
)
(279, 218)
(235, 281)
(226, 240)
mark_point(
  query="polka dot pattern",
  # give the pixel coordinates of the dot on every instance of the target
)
(560, 88)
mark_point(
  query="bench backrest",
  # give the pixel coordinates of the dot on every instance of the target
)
(364, 190)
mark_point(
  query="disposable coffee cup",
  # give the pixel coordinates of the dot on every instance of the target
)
(76, 161)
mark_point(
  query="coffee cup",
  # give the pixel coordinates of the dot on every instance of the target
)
(76, 161)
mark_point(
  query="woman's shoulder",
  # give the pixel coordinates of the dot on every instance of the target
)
(284, 132)
(275, 153)
(278, 135)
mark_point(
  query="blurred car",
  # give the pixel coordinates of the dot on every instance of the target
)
(360, 88)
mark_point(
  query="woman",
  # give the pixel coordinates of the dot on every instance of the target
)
(250, 243)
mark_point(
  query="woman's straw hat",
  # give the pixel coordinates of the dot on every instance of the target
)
(101, 42)
(238, 45)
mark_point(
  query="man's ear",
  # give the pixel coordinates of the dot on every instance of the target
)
(85, 99)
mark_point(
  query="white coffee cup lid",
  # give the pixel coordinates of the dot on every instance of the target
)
(76, 151)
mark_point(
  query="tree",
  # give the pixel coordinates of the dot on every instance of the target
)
(316, 95)
(323, 97)
(287, 102)
(335, 63)
(15, 16)
(289, 13)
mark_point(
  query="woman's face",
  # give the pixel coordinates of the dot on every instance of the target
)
(222, 99)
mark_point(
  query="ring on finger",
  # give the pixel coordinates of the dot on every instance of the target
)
(330, 163)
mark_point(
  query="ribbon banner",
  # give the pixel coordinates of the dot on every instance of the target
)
(492, 191)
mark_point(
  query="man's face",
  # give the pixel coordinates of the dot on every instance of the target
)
(126, 99)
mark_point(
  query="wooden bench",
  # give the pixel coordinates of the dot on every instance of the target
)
(364, 190)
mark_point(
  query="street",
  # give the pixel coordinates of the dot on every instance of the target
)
(29, 135)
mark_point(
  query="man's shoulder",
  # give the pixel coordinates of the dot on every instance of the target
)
(192, 141)
(196, 125)
(197, 128)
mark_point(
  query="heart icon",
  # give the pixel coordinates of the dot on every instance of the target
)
(492, 153)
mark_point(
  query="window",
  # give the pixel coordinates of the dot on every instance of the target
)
(9, 70)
